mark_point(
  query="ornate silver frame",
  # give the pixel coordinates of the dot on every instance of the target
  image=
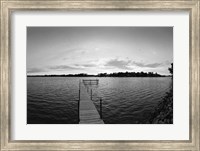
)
(8, 6)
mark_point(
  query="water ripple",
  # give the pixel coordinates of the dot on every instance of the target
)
(53, 100)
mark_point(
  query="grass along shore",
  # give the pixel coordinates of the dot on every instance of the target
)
(163, 113)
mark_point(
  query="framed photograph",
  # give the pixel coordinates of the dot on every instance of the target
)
(100, 75)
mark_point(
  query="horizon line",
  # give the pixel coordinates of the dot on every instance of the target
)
(103, 74)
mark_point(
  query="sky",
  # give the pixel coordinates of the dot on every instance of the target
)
(93, 50)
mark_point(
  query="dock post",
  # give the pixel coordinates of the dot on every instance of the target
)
(101, 108)
(79, 97)
(91, 94)
(78, 111)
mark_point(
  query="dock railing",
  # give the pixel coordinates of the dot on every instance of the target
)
(90, 81)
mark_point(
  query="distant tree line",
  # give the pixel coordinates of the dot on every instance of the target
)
(130, 74)
(116, 74)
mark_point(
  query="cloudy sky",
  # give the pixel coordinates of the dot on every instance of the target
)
(93, 50)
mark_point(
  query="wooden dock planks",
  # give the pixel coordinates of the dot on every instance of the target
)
(87, 110)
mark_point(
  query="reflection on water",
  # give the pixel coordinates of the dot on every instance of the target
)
(125, 100)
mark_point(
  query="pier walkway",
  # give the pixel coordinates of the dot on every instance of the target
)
(88, 113)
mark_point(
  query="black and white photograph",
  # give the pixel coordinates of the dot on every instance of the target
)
(99, 75)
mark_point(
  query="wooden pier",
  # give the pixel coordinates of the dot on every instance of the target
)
(88, 113)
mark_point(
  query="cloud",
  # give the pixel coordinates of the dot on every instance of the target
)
(121, 64)
(53, 68)
(151, 65)
(63, 67)
(168, 62)
(87, 65)
(128, 64)
(69, 52)
(35, 70)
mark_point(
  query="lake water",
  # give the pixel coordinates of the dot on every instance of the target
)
(54, 100)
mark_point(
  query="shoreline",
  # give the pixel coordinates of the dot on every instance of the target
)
(102, 76)
(163, 113)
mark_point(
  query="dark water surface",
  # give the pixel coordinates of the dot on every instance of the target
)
(53, 100)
